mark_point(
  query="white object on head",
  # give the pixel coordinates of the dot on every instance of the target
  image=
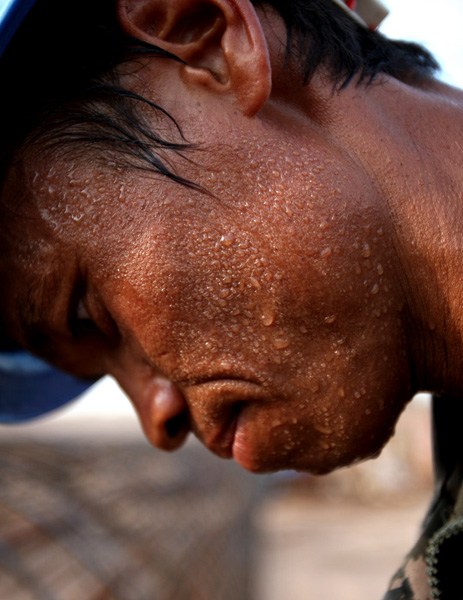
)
(368, 13)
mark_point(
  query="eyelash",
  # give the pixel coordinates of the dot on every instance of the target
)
(82, 313)
(80, 322)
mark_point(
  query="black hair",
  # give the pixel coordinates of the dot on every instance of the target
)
(59, 76)
(319, 32)
(59, 84)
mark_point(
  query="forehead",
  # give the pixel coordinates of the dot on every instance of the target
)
(60, 198)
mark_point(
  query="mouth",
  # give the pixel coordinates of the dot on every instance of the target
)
(222, 441)
(219, 407)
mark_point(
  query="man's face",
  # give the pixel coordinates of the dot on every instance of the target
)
(269, 304)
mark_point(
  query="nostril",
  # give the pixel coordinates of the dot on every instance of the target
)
(162, 409)
(168, 417)
(179, 425)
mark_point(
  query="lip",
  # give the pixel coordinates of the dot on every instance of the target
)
(246, 443)
(225, 400)
(222, 441)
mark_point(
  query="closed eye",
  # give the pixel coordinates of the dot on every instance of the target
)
(82, 313)
(89, 318)
(81, 323)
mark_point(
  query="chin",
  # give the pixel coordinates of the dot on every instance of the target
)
(260, 448)
(314, 461)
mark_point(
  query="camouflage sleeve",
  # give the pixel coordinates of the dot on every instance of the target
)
(434, 568)
(410, 582)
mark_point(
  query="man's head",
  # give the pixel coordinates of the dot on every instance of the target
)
(197, 217)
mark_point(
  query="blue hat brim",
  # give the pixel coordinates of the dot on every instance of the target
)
(12, 14)
(30, 387)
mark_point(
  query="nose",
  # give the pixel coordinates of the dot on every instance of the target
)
(161, 407)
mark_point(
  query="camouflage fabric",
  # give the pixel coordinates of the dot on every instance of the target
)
(433, 570)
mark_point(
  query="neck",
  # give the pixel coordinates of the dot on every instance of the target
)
(411, 140)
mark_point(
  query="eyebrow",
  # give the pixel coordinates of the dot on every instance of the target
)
(46, 297)
(33, 324)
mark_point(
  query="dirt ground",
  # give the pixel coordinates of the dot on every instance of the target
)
(322, 550)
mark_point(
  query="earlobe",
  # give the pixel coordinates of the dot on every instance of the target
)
(221, 42)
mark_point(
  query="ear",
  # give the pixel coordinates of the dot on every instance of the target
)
(221, 43)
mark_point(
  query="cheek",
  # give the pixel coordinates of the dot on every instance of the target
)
(322, 331)
(328, 409)
(269, 296)
(300, 299)
(343, 375)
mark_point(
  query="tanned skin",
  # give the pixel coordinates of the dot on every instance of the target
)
(286, 316)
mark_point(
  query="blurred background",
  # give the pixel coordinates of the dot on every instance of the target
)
(89, 511)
